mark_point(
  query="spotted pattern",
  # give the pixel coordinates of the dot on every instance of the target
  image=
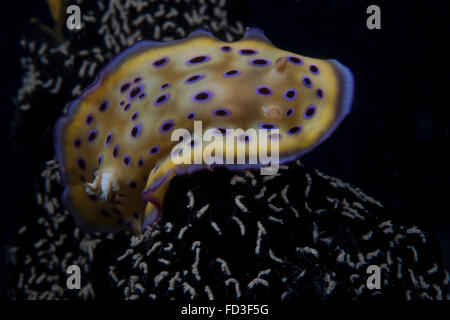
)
(161, 99)
(108, 138)
(248, 52)
(295, 60)
(202, 96)
(89, 119)
(260, 62)
(161, 62)
(198, 59)
(166, 126)
(194, 78)
(153, 150)
(310, 111)
(103, 106)
(92, 135)
(125, 87)
(136, 131)
(221, 112)
(290, 94)
(231, 73)
(264, 91)
(165, 85)
(126, 160)
(295, 130)
(314, 69)
(307, 82)
(267, 126)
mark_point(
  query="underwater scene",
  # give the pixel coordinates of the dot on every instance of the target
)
(229, 151)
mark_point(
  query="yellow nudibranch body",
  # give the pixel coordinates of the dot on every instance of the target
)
(114, 143)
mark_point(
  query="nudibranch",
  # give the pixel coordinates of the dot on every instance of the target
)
(114, 142)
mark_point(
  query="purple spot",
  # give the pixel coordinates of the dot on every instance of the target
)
(166, 126)
(141, 162)
(135, 92)
(295, 60)
(125, 87)
(226, 48)
(307, 82)
(134, 116)
(165, 85)
(105, 213)
(264, 91)
(295, 130)
(133, 184)
(142, 96)
(221, 131)
(153, 150)
(190, 116)
(109, 138)
(100, 159)
(160, 62)
(244, 138)
(104, 105)
(290, 94)
(247, 52)
(92, 135)
(126, 160)
(161, 99)
(192, 143)
(136, 80)
(310, 111)
(194, 78)
(127, 107)
(267, 126)
(122, 103)
(221, 112)
(81, 164)
(77, 143)
(314, 69)
(275, 136)
(203, 96)
(89, 119)
(260, 62)
(116, 151)
(231, 73)
(289, 112)
(198, 59)
(319, 93)
(136, 130)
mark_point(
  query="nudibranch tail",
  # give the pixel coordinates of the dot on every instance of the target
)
(114, 143)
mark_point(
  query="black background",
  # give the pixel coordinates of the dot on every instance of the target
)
(395, 143)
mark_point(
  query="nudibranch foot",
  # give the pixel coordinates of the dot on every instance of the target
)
(114, 144)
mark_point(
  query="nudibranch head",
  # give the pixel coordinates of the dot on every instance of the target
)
(114, 144)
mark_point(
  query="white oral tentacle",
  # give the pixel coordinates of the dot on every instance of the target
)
(104, 186)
